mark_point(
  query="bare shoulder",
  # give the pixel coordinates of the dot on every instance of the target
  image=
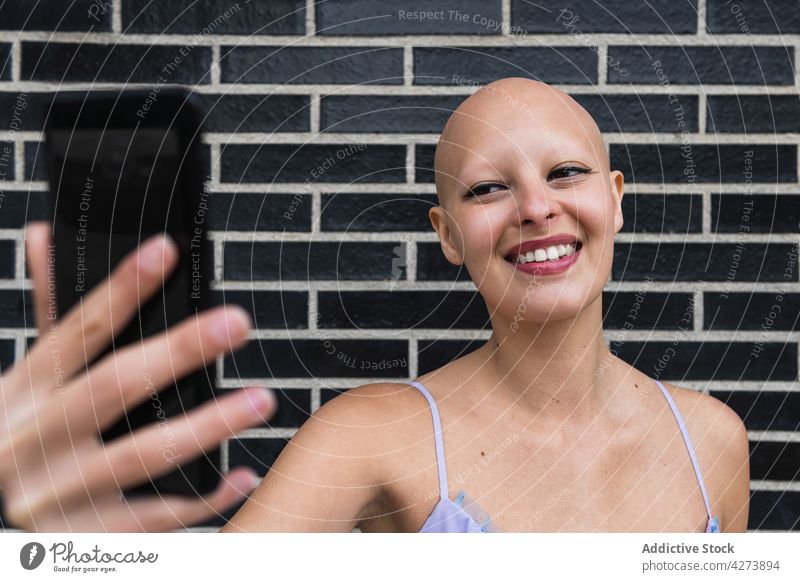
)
(380, 421)
(721, 444)
(373, 397)
(362, 422)
(331, 475)
(371, 405)
(708, 414)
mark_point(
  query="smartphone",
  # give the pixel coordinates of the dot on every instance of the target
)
(122, 167)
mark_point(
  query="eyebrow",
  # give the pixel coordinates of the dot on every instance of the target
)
(571, 147)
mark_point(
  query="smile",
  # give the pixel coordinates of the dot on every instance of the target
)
(547, 261)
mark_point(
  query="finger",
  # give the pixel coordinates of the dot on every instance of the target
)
(128, 377)
(40, 270)
(152, 514)
(88, 474)
(158, 449)
(88, 328)
(169, 513)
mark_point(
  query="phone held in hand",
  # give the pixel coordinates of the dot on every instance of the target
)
(123, 167)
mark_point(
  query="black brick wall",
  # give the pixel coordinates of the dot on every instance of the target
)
(321, 260)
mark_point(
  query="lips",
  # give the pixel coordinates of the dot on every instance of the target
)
(550, 267)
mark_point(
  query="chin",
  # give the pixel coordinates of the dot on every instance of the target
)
(536, 307)
(525, 299)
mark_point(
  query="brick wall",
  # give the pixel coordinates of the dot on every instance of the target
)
(697, 99)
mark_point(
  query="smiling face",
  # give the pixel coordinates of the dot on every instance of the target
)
(520, 161)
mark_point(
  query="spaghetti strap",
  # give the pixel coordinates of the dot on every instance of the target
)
(689, 446)
(437, 435)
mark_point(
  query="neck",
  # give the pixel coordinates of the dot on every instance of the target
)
(557, 369)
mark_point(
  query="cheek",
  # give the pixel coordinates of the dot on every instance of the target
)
(481, 230)
(604, 218)
(595, 218)
(597, 222)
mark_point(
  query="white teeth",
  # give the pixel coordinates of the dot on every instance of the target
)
(552, 253)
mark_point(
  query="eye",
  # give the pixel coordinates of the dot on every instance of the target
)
(561, 172)
(481, 189)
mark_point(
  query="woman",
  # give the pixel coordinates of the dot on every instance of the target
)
(540, 429)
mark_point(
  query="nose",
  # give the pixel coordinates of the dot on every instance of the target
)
(533, 204)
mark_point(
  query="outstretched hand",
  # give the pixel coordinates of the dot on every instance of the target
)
(55, 473)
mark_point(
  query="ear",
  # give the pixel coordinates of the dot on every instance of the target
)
(438, 218)
(617, 191)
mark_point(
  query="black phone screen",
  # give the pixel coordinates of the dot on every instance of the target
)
(114, 183)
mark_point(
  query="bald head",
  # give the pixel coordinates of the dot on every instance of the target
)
(498, 123)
